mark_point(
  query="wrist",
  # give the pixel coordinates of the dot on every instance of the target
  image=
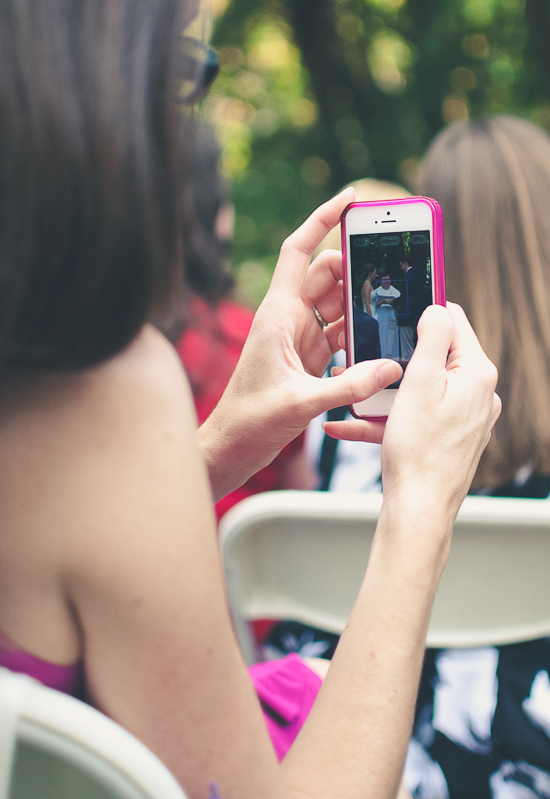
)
(231, 451)
(225, 472)
(417, 525)
(427, 485)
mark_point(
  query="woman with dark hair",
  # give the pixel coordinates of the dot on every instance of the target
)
(110, 580)
(483, 725)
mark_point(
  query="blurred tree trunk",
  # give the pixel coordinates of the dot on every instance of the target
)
(314, 26)
(344, 90)
(537, 16)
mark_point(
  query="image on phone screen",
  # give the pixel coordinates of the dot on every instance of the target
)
(391, 285)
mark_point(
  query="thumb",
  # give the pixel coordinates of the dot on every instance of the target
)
(356, 383)
(435, 334)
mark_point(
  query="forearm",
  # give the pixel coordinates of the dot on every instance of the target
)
(231, 458)
(354, 743)
(215, 448)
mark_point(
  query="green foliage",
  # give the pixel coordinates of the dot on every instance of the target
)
(316, 93)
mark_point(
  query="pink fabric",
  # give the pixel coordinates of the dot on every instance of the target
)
(54, 675)
(287, 689)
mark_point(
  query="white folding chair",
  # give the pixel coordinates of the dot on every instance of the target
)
(301, 555)
(54, 747)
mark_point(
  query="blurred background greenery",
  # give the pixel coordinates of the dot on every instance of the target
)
(316, 93)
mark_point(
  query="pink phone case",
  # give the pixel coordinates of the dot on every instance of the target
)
(438, 272)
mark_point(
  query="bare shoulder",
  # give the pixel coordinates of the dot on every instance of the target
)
(140, 493)
(88, 454)
(96, 465)
(142, 458)
(148, 371)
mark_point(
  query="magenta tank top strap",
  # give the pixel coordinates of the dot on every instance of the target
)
(54, 675)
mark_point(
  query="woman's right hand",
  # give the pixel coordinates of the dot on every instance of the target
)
(439, 424)
(442, 416)
(443, 413)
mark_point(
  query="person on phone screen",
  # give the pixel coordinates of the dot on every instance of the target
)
(382, 299)
(110, 578)
(409, 316)
(366, 336)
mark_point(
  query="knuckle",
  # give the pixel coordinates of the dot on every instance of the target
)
(358, 388)
(490, 375)
(494, 374)
(485, 373)
(497, 407)
(298, 405)
(288, 246)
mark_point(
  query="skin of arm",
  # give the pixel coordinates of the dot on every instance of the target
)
(145, 583)
(143, 577)
(423, 489)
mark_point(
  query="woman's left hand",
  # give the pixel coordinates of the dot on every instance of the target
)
(276, 388)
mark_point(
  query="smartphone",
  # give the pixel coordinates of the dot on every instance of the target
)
(393, 268)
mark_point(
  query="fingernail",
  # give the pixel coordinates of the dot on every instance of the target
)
(385, 375)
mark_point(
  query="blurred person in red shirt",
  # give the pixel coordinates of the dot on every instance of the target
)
(210, 331)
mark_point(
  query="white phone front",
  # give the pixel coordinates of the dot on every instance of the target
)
(393, 269)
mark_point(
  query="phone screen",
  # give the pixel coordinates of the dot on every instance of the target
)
(391, 285)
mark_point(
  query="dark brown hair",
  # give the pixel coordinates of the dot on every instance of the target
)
(89, 174)
(492, 179)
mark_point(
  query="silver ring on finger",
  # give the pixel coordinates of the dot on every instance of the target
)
(320, 318)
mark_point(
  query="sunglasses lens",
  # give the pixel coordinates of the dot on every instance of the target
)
(198, 67)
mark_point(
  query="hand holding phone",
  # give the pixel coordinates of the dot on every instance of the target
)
(393, 268)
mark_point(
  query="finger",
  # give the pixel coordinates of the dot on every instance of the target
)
(324, 273)
(466, 351)
(342, 341)
(496, 409)
(356, 384)
(356, 430)
(293, 263)
(464, 338)
(331, 306)
(435, 334)
(464, 332)
(334, 333)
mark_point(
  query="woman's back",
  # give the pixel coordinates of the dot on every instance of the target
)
(107, 555)
(70, 445)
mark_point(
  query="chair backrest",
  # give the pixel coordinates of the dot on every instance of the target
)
(301, 555)
(54, 747)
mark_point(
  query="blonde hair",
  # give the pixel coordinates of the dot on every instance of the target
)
(366, 189)
(492, 179)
